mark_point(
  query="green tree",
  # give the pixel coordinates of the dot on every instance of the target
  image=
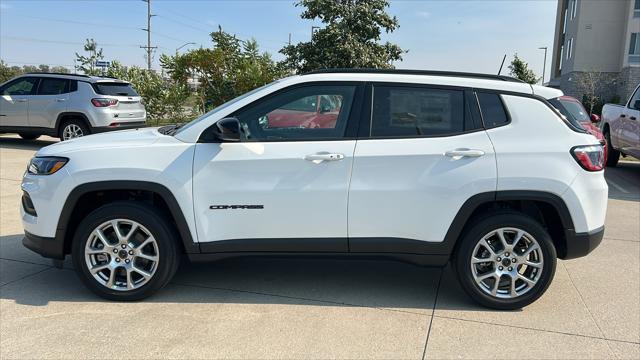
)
(520, 70)
(228, 69)
(163, 100)
(88, 63)
(349, 39)
(8, 72)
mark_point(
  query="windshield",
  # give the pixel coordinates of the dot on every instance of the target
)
(572, 110)
(223, 106)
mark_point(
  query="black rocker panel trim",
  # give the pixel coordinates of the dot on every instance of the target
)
(183, 228)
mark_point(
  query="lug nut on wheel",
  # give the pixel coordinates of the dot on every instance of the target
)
(500, 268)
(131, 253)
(115, 251)
(510, 268)
(126, 260)
(124, 246)
(117, 260)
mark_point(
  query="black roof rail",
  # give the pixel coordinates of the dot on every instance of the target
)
(416, 72)
(55, 73)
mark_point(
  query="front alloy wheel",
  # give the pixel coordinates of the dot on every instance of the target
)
(121, 254)
(125, 250)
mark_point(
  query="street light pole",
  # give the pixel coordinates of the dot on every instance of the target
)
(544, 64)
(183, 45)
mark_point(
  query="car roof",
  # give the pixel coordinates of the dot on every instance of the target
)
(79, 77)
(429, 77)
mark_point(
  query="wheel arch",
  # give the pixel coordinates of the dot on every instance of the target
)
(62, 117)
(76, 205)
(547, 208)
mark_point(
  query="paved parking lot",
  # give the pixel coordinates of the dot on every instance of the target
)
(319, 308)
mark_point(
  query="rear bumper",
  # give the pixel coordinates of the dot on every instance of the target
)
(45, 246)
(581, 244)
(122, 126)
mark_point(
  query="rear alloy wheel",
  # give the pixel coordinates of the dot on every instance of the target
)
(73, 129)
(125, 251)
(505, 260)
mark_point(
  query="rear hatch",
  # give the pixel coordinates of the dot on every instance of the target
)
(129, 107)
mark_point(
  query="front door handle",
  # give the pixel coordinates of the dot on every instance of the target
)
(21, 100)
(458, 153)
(61, 100)
(324, 157)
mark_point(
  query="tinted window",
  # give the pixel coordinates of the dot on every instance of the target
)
(311, 112)
(562, 106)
(114, 89)
(492, 109)
(52, 86)
(24, 86)
(418, 111)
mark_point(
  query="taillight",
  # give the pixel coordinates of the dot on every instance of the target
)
(590, 157)
(102, 102)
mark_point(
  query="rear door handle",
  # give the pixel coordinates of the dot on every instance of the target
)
(21, 100)
(61, 100)
(464, 153)
(324, 157)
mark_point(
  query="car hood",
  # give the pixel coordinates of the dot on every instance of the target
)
(114, 139)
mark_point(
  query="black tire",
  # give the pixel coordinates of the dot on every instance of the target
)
(29, 136)
(155, 222)
(483, 226)
(613, 155)
(84, 129)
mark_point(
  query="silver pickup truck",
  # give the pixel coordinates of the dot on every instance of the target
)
(621, 128)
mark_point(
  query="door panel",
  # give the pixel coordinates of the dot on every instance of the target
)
(284, 186)
(409, 188)
(277, 193)
(14, 102)
(51, 99)
(424, 157)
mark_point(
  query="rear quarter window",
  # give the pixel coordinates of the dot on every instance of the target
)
(114, 89)
(492, 110)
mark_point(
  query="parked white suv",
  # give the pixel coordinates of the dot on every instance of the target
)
(67, 105)
(425, 167)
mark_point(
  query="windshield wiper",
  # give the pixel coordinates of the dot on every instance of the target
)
(170, 129)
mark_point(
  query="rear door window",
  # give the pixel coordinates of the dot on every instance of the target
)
(492, 110)
(114, 89)
(53, 86)
(417, 111)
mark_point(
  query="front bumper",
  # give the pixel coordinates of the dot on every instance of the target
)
(581, 244)
(45, 246)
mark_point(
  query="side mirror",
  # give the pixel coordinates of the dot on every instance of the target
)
(228, 129)
(595, 118)
(636, 105)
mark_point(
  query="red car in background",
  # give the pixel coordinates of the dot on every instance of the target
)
(313, 112)
(573, 110)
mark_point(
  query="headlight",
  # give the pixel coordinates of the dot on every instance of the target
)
(46, 165)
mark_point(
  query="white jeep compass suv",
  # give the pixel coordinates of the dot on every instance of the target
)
(68, 105)
(427, 167)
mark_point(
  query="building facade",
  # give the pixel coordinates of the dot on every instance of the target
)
(597, 42)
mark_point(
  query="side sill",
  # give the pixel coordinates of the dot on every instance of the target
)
(416, 259)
